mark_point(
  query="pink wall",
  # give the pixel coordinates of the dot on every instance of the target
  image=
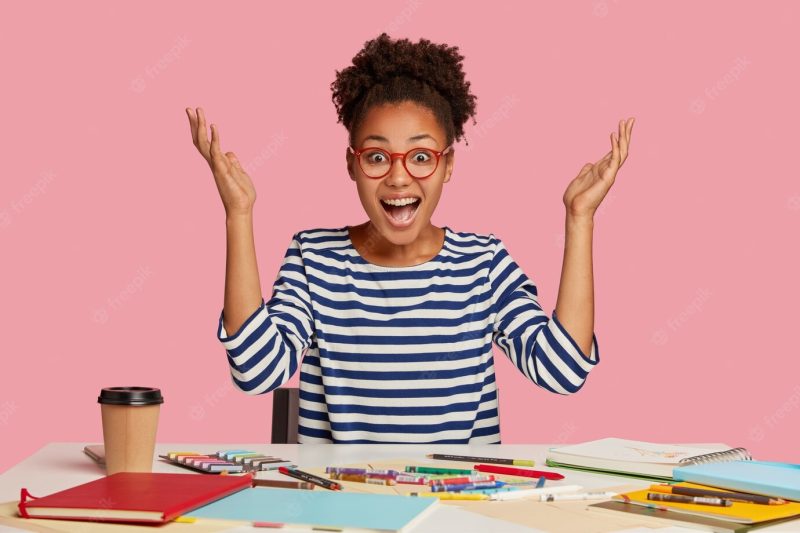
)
(112, 231)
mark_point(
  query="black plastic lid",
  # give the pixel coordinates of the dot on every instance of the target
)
(130, 396)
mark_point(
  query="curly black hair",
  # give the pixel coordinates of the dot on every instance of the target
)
(388, 72)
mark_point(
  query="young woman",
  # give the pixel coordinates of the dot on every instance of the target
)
(392, 321)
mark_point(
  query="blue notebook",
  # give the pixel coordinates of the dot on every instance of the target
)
(780, 480)
(320, 508)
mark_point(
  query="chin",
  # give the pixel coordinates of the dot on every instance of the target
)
(395, 235)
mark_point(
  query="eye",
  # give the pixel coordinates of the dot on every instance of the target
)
(421, 156)
(375, 157)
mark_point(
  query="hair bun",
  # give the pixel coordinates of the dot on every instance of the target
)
(384, 62)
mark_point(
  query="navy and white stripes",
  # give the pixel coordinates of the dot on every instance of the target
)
(400, 354)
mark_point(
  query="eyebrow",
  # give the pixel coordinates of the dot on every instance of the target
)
(414, 138)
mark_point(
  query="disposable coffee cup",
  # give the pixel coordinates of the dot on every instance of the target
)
(130, 420)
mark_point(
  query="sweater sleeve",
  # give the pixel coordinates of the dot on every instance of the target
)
(266, 350)
(538, 346)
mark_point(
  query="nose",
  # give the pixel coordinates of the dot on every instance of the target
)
(398, 177)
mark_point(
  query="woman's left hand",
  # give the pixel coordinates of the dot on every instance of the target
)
(587, 190)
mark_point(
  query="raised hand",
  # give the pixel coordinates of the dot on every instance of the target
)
(587, 190)
(234, 185)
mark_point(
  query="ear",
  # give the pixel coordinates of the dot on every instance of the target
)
(351, 160)
(449, 162)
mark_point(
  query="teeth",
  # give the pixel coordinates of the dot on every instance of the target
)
(400, 201)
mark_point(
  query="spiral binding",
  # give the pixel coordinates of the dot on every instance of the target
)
(734, 454)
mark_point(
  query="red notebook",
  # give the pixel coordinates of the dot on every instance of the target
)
(133, 497)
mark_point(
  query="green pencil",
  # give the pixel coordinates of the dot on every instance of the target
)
(435, 470)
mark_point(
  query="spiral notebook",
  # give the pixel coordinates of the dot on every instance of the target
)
(638, 458)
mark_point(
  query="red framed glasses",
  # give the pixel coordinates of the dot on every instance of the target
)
(376, 162)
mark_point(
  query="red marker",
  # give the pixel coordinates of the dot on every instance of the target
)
(510, 471)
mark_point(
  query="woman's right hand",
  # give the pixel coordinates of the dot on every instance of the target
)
(234, 185)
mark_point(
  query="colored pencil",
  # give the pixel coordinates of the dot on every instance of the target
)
(493, 460)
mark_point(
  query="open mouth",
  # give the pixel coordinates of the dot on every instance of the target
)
(401, 212)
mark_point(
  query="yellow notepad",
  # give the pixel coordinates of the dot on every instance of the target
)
(745, 513)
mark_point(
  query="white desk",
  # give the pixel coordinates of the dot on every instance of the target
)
(60, 465)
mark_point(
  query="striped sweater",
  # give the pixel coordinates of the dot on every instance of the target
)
(400, 354)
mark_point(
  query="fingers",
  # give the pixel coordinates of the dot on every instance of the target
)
(234, 161)
(603, 161)
(219, 161)
(202, 135)
(215, 150)
(614, 162)
(622, 140)
(625, 138)
(236, 167)
(192, 124)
